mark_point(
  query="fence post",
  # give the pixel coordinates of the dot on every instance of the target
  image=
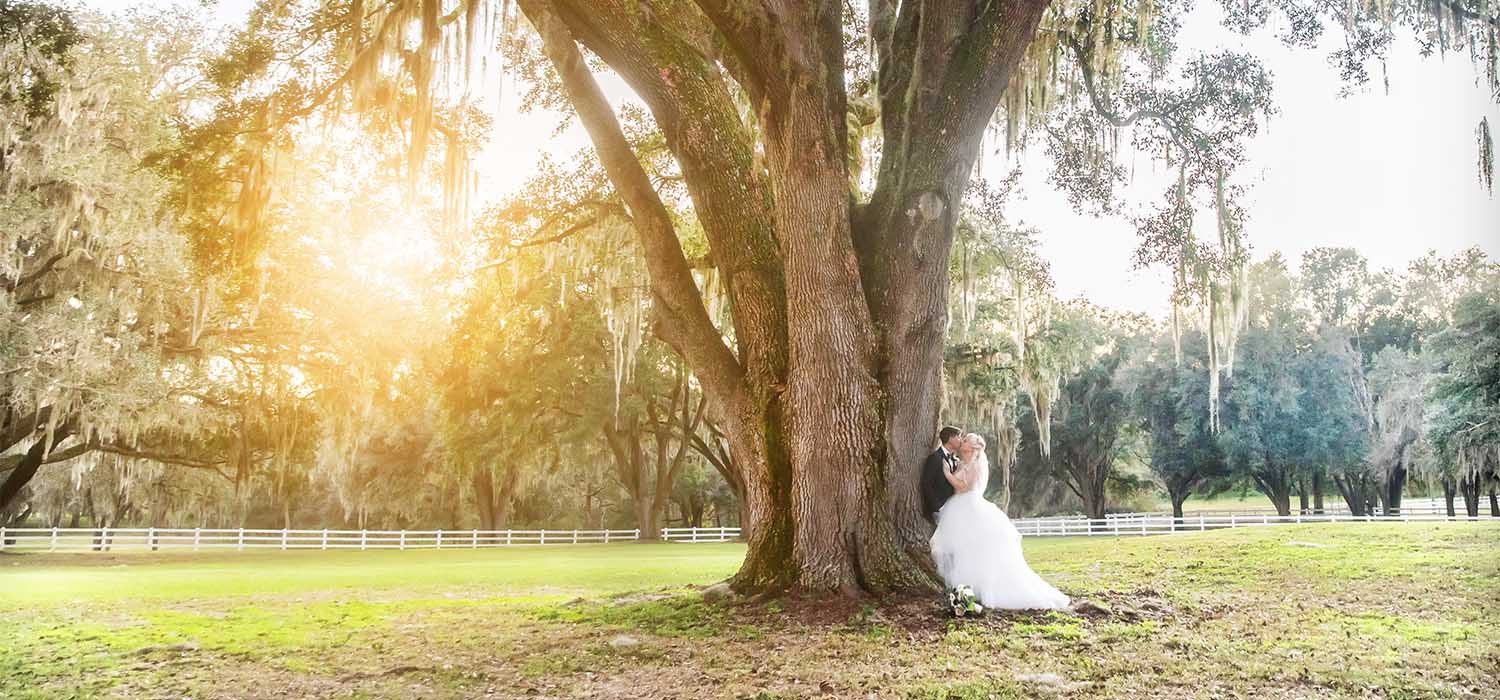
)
(402, 541)
(440, 538)
(197, 534)
(606, 535)
(241, 545)
(474, 543)
(283, 539)
(2, 538)
(543, 539)
(106, 544)
(507, 538)
(324, 545)
(1201, 526)
(1117, 527)
(53, 547)
(575, 536)
(1265, 519)
(362, 535)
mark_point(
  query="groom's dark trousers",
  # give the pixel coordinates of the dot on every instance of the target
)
(935, 487)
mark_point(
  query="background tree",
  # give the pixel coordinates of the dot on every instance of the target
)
(97, 332)
(1465, 428)
(1170, 404)
(1091, 416)
(1000, 345)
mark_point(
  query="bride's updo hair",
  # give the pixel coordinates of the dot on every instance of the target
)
(976, 437)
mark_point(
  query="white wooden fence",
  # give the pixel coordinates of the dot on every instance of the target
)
(201, 539)
(1125, 524)
(1410, 506)
(60, 539)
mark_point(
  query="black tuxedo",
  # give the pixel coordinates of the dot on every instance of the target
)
(935, 487)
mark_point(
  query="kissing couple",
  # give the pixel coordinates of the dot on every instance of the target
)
(975, 544)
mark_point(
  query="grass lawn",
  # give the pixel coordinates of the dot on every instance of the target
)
(1357, 611)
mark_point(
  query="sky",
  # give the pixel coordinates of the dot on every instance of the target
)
(1390, 174)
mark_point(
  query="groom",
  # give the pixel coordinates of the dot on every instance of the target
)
(935, 488)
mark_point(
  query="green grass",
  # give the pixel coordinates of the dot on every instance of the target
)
(580, 569)
(1395, 611)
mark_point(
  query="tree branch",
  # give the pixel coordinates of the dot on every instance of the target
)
(36, 274)
(1459, 10)
(657, 54)
(1104, 107)
(683, 321)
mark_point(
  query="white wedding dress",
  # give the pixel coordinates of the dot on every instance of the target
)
(976, 545)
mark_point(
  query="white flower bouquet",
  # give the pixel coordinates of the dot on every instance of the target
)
(961, 599)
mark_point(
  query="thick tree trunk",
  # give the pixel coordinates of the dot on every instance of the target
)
(1094, 503)
(1354, 501)
(647, 518)
(492, 501)
(1302, 495)
(1469, 487)
(1494, 503)
(1276, 484)
(844, 538)
(1317, 486)
(1395, 484)
(484, 498)
(1179, 495)
(1449, 491)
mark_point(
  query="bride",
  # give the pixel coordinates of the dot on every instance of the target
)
(976, 545)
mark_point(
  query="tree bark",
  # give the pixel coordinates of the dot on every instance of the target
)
(1494, 503)
(1449, 491)
(1178, 496)
(493, 500)
(1276, 484)
(1395, 484)
(1469, 487)
(1317, 486)
(484, 498)
(30, 462)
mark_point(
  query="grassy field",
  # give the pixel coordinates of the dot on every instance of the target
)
(1357, 611)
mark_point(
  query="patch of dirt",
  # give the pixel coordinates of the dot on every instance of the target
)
(928, 616)
(1124, 606)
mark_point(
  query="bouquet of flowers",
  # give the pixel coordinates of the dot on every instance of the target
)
(961, 599)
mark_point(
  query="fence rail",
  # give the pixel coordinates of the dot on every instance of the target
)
(1412, 506)
(197, 539)
(203, 539)
(1156, 524)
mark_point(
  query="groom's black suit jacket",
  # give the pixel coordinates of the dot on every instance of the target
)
(935, 488)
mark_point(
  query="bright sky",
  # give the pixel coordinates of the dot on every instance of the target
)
(1391, 175)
